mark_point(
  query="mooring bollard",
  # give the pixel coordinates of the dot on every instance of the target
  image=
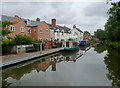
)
(40, 48)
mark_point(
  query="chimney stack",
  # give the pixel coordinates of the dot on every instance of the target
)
(16, 15)
(38, 19)
(54, 22)
(74, 26)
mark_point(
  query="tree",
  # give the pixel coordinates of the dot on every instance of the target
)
(4, 25)
(101, 34)
(112, 27)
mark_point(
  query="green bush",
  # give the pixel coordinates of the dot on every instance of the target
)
(22, 40)
(36, 41)
(114, 44)
(6, 42)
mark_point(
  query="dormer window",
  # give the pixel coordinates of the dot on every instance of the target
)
(57, 30)
(29, 31)
(28, 22)
(12, 28)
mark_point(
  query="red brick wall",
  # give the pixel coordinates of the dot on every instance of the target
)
(17, 27)
(86, 35)
(34, 34)
(43, 35)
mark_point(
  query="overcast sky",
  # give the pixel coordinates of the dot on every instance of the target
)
(88, 16)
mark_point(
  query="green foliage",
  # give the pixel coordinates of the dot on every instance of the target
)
(6, 42)
(101, 48)
(22, 40)
(114, 44)
(4, 24)
(70, 39)
(5, 32)
(112, 27)
(7, 23)
(36, 41)
(101, 34)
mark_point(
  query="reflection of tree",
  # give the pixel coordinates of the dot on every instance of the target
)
(38, 65)
(5, 83)
(112, 61)
(100, 48)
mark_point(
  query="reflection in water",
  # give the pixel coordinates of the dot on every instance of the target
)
(89, 67)
(40, 65)
(112, 61)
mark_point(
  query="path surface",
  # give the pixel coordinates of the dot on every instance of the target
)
(9, 58)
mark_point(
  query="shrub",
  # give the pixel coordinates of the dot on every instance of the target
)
(6, 42)
(36, 41)
(22, 40)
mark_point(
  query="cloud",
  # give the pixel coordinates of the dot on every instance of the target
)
(87, 16)
(97, 9)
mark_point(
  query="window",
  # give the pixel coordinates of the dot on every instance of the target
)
(35, 30)
(12, 28)
(46, 31)
(40, 39)
(22, 29)
(47, 61)
(40, 30)
(47, 39)
(29, 31)
(62, 33)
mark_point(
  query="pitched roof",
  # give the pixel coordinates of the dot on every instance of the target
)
(32, 23)
(79, 30)
(51, 27)
(3, 18)
(64, 28)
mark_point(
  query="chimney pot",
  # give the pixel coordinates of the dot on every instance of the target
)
(74, 26)
(54, 22)
(16, 15)
(38, 19)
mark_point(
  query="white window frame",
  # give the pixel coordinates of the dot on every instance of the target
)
(46, 39)
(40, 31)
(22, 29)
(12, 28)
(41, 39)
(46, 31)
(28, 32)
(35, 30)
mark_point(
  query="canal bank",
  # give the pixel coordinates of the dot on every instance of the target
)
(10, 60)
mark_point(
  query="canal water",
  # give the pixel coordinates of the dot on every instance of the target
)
(91, 66)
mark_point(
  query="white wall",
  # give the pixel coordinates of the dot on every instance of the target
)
(52, 34)
(58, 35)
(75, 32)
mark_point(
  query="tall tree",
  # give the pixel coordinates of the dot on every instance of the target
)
(112, 27)
(100, 34)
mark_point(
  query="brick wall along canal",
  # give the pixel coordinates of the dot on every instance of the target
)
(96, 67)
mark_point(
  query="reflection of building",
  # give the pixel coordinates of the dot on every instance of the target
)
(40, 65)
(44, 65)
(53, 66)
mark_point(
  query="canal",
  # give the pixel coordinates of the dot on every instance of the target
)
(95, 66)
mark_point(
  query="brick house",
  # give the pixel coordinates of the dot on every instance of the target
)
(36, 29)
(86, 36)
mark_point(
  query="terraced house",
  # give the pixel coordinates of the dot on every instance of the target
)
(36, 29)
